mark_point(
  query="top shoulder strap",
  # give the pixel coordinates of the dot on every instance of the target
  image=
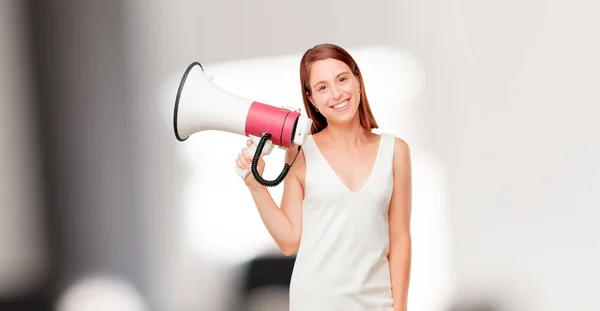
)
(388, 142)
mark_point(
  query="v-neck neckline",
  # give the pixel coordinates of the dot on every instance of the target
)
(337, 176)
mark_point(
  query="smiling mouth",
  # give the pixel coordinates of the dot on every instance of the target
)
(341, 105)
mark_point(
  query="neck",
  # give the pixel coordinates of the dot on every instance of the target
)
(345, 134)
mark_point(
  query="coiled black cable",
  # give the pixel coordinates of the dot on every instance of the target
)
(258, 153)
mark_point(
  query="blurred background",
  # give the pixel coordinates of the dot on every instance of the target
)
(102, 209)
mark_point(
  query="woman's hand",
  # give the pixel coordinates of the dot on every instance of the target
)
(244, 161)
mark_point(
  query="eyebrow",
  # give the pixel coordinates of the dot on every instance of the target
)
(339, 74)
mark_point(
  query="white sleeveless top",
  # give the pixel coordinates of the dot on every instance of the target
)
(342, 264)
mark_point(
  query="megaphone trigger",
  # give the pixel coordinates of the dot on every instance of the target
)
(268, 147)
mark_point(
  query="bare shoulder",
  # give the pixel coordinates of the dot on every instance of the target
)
(402, 156)
(401, 147)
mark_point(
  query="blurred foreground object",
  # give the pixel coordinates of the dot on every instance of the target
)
(101, 293)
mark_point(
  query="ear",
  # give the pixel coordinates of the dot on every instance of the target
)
(310, 99)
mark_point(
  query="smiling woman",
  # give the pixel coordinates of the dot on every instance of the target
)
(346, 205)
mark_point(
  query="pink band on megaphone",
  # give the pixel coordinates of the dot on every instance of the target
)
(279, 122)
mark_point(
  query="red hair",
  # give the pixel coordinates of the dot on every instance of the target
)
(326, 51)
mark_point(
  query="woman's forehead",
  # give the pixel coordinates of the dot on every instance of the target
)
(327, 69)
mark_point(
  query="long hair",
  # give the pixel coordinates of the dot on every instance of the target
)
(322, 52)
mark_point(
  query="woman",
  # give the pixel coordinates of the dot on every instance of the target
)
(346, 205)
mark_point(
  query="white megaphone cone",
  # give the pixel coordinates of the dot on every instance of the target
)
(200, 105)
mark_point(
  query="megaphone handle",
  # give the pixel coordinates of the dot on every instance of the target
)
(242, 173)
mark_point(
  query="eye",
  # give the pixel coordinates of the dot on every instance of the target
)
(322, 87)
(342, 79)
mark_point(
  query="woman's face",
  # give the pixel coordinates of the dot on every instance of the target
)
(335, 90)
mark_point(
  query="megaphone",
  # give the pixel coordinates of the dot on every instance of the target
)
(201, 105)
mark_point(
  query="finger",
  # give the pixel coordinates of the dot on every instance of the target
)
(245, 164)
(249, 142)
(242, 160)
(246, 155)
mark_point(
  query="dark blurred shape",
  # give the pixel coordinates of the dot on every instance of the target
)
(264, 272)
(269, 271)
(33, 301)
(24, 257)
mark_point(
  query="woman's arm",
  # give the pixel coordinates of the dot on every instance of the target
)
(283, 224)
(399, 221)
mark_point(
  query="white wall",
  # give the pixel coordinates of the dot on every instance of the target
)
(508, 110)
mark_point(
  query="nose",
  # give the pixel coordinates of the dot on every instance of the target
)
(336, 92)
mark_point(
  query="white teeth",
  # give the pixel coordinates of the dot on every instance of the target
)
(341, 105)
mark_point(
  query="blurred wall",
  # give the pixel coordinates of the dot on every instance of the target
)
(511, 106)
(85, 121)
(24, 256)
